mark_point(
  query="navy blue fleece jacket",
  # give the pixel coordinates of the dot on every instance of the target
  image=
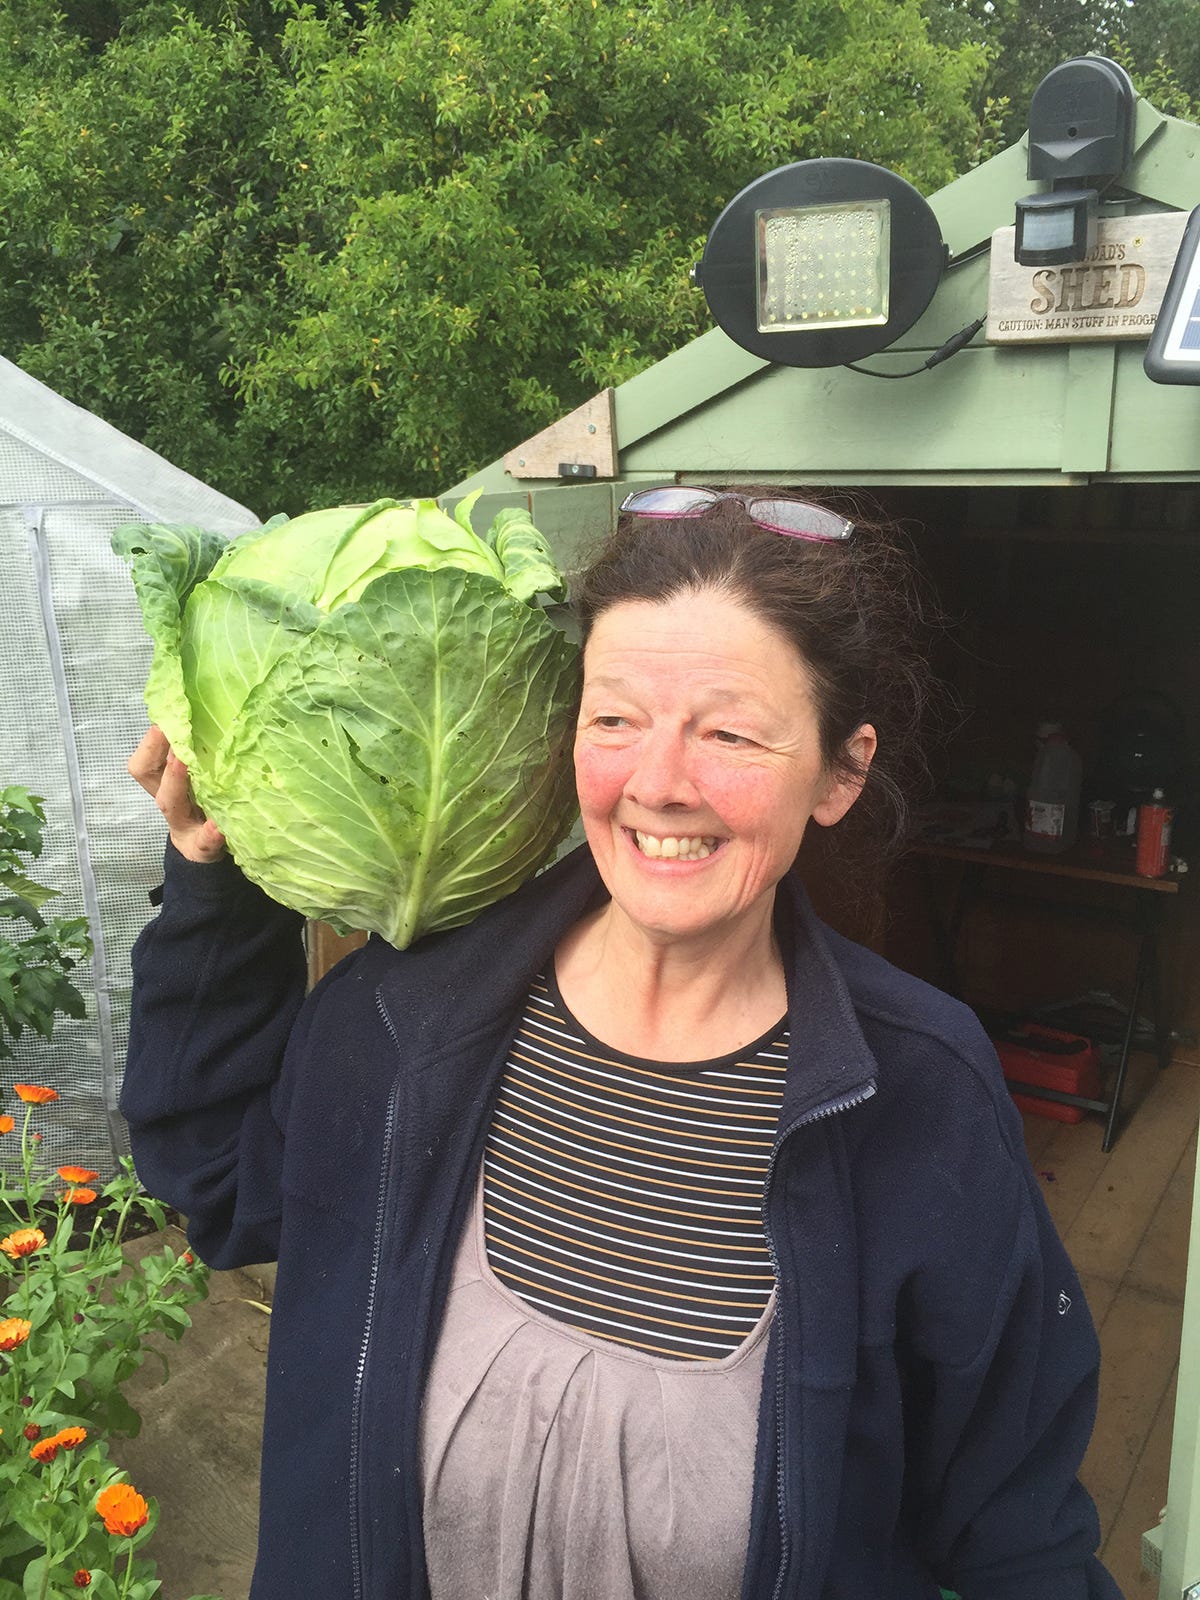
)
(931, 1377)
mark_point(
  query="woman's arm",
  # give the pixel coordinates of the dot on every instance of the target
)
(1002, 1400)
(218, 979)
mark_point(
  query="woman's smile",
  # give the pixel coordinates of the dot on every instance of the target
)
(675, 847)
(698, 764)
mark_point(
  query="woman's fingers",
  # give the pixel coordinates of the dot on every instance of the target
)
(148, 760)
(162, 774)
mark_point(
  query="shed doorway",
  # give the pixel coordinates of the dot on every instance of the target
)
(1067, 603)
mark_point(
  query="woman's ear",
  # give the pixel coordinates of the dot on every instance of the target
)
(845, 788)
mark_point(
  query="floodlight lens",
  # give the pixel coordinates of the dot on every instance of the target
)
(823, 266)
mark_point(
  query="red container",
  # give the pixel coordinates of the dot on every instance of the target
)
(1153, 838)
(1077, 1073)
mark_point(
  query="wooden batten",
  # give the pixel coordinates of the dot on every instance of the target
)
(585, 438)
(326, 948)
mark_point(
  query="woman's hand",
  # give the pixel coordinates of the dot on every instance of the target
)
(161, 773)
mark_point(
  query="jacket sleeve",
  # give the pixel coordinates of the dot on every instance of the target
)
(218, 979)
(1002, 1416)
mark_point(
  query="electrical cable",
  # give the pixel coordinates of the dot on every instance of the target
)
(951, 348)
(969, 255)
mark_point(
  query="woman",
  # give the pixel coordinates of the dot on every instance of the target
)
(643, 1238)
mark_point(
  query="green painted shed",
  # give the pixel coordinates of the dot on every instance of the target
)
(1053, 492)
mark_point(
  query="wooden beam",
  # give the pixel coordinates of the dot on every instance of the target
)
(584, 438)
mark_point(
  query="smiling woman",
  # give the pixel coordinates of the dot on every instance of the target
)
(644, 1237)
(698, 765)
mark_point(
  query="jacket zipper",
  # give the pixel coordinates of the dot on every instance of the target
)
(828, 1108)
(360, 1374)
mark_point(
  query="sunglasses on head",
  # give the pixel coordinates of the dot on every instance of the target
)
(796, 518)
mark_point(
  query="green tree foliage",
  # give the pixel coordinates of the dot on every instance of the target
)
(1158, 41)
(315, 253)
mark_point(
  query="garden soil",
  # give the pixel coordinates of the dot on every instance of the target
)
(198, 1450)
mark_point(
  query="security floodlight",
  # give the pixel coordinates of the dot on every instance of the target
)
(1080, 128)
(822, 262)
(1173, 354)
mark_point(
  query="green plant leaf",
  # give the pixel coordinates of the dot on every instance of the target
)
(35, 1578)
(167, 563)
(13, 1541)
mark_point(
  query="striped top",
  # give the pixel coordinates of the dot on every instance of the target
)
(624, 1196)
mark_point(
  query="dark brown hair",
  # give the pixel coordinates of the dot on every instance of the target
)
(857, 612)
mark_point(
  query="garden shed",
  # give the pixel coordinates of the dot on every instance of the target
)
(73, 663)
(1053, 492)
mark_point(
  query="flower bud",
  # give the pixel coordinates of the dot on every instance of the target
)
(26, 1399)
(32, 1431)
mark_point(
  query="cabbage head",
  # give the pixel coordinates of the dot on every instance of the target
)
(373, 704)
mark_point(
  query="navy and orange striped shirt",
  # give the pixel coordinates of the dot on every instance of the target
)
(624, 1196)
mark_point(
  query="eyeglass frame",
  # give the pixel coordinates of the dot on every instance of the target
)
(705, 498)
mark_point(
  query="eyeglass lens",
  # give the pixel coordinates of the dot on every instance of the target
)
(794, 517)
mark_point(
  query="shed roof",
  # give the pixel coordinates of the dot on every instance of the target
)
(1068, 413)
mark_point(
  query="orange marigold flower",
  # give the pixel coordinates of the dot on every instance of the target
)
(34, 1094)
(77, 1174)
(78, 1197)
(44, 1450)
(69, 1438)
(14, 1331)
(123, 1509)
(6, 1124)
(22, 1243)
(82, 1578)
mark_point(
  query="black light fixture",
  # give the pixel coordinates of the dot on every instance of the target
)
(1173, 354)
(1080, 131)
(822, 262)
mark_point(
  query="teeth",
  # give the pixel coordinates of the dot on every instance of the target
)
(673, 849)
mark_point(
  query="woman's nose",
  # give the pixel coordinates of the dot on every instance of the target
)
(660, 776)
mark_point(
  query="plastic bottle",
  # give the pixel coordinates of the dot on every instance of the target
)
(1153, 837)
(1052, 801)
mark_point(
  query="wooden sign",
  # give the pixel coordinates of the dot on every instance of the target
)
(1115, 293)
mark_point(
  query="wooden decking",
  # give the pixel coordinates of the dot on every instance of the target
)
(1125, 1219)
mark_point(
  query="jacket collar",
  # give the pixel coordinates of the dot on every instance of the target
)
(457, 982)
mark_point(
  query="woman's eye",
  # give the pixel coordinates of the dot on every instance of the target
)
(724, 736)
(608, 722)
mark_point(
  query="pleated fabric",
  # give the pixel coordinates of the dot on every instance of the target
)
(560, 1466)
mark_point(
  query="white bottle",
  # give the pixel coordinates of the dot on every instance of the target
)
(1052, 802)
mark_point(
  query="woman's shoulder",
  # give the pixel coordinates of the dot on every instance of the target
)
(928, 1044)
(888, 994)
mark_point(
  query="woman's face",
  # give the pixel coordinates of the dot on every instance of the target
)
(698, 762)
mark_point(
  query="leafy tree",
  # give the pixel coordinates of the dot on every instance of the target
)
(320, 253)
(1157, 41)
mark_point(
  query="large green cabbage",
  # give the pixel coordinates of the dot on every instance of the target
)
(374, 707)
